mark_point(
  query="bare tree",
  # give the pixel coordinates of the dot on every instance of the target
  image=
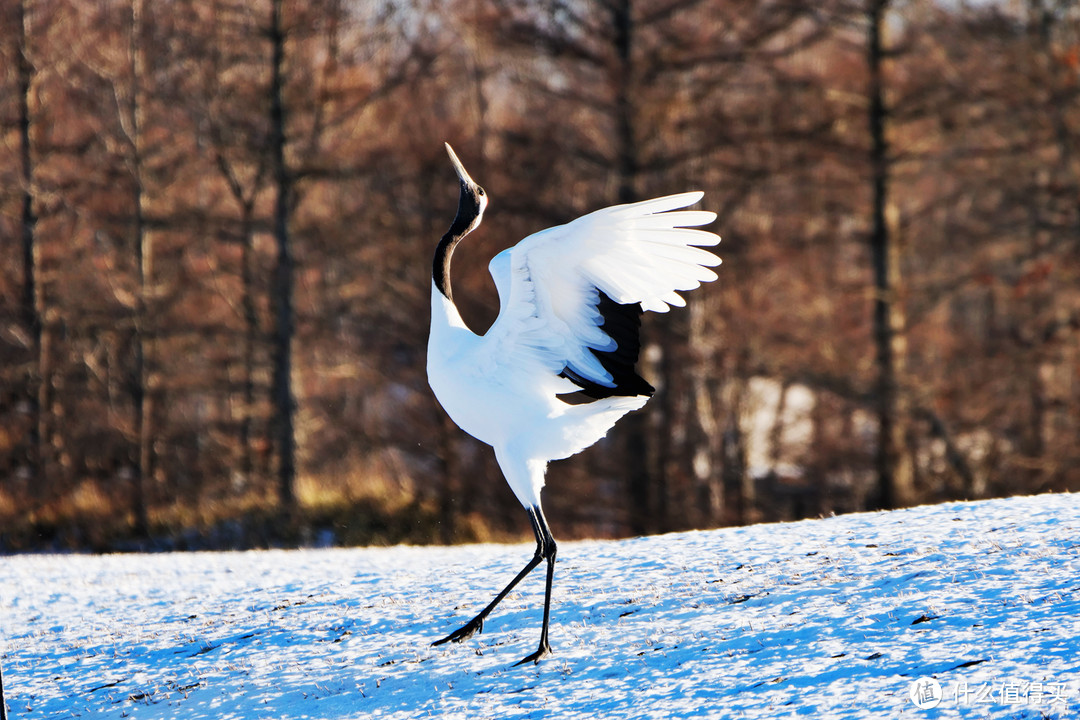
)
(283, 272)
(894, 470)
(37, 397)
(144, 262)
(236, 135)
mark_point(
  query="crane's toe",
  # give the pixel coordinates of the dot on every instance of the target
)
(541, 652)
(466, 631)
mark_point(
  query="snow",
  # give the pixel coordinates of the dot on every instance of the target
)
(832, 618)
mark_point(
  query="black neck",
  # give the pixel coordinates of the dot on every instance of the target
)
(468, 215)
(440, 271)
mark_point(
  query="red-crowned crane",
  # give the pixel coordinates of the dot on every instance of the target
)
(571, 299)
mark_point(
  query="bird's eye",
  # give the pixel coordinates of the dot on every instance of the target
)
(480, 191)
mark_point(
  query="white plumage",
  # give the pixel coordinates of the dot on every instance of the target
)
(502, 387)
(558, 290)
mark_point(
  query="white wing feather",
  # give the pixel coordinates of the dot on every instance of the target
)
(549, 283)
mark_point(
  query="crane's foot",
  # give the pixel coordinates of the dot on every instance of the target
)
(543, 651)
(466, 631)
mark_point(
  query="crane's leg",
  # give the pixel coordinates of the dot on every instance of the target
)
(545, 547)
(545, 550)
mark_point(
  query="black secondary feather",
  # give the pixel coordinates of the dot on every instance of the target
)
(622, 323)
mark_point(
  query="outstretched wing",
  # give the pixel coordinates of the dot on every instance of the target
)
(571, 296)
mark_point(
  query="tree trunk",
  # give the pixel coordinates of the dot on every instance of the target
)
(144, 259)
(895, 475)
(626, 142)
(36, 389)
(739, 486)
(704, 434)
(251, 333)
(640, 460)
(283, 273)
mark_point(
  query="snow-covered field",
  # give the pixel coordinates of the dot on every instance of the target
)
(837, 618)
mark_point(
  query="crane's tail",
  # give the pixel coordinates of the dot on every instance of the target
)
(524, 459)
(583, 425)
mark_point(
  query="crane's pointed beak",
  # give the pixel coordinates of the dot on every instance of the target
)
(458, 167)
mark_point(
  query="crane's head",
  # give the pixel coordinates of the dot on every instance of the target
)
(472, 201)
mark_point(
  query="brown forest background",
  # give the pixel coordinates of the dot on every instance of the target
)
(217, 219)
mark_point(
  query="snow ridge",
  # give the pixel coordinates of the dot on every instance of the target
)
(955, 610)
